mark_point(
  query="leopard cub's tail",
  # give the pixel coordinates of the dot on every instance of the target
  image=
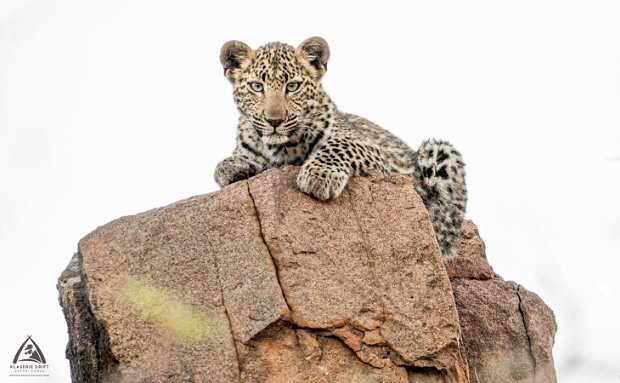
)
(440, 181)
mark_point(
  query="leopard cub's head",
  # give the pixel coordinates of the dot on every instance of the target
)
(277, 87)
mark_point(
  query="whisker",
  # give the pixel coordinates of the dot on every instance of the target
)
(261, 129)
(289, 132)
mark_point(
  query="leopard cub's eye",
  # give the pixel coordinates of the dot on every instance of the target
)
(256, 86)
(292, 86)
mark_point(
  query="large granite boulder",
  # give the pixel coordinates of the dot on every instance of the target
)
(261, 283)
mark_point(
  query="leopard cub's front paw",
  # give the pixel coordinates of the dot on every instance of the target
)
(231, 170)
(321, 182)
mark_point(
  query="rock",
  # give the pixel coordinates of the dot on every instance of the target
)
(540, 328)
(88, 347)
(502, 343)
(354, 272)
(508, 332)
(261, 283)
(472, 259)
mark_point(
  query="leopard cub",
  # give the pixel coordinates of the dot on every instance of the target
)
(287, 118)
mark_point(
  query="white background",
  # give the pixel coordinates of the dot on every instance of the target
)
(112, 108)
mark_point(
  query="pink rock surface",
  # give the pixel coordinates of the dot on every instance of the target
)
(261, 283)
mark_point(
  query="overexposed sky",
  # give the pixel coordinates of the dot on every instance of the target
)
(112, 108)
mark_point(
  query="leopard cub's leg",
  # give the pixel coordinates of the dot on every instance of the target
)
(327, 170)
(440, 181)
(325, 173)
(233, 169)
(322, 181)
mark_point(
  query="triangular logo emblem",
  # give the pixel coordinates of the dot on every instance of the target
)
(29, 352)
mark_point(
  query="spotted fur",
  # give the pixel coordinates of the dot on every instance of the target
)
(287, 118)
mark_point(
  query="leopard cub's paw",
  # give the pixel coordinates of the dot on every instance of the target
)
(231, 170)
(322, 183)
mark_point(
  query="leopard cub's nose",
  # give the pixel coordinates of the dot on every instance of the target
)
(274, 123)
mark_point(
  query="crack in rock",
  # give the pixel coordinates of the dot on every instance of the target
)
(273, 260)
(527, 333)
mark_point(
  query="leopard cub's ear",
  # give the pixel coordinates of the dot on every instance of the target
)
(313, 53)
(234, 57)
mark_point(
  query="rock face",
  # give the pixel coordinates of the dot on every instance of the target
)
(261, 283)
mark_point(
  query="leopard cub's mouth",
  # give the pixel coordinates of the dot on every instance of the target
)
(281, 134)
(275, 139)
